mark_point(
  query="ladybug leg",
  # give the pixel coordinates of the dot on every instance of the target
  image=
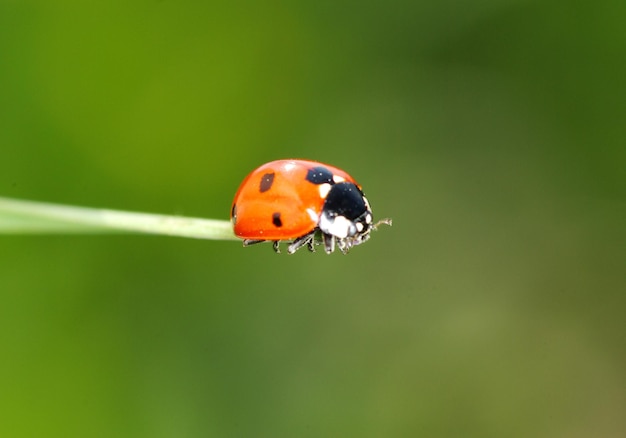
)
(298, 243)
(248, 242)
(344, 245)
(329, 243)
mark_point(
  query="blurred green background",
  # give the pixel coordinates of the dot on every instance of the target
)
(492, 132)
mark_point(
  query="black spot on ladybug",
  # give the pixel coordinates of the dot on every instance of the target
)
(276, 220)
(319, 175)
(266, 182)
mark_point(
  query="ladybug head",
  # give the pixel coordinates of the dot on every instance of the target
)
(346, 217)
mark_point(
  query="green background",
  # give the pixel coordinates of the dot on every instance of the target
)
(492, 132)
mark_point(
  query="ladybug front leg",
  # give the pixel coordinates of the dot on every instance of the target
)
(329, 243)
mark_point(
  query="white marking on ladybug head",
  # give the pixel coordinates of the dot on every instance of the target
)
(324, 189)
(368, 218)
(337, 226)
(338, 179)
(359, 227)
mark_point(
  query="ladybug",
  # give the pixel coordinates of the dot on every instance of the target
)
(297, 200)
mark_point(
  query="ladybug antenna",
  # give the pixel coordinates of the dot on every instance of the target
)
(385, 221)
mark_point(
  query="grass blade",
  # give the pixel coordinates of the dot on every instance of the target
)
(30, 217)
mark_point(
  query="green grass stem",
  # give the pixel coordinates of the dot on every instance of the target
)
(30, 217)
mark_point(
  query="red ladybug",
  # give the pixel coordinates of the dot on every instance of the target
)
(295, 199)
